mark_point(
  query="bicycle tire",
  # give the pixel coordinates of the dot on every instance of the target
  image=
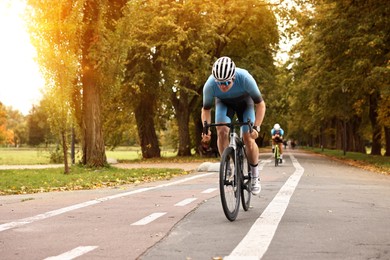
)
(276, 155)
(229, 184)
(246, 192)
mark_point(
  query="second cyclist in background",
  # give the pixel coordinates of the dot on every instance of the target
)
(277, 134)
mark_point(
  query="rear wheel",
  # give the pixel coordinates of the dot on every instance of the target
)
(245, 183)
(229, 184)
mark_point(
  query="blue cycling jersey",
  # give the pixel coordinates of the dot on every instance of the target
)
(244, 85)
(280, 132)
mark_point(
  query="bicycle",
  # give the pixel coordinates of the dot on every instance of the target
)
(234, 172)
(277, 153)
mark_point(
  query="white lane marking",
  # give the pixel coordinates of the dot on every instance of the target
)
(185, 202)
(209, 190)
(53, 213)
(78, 251)
(262, 163)
(256, 242)
(148, 219)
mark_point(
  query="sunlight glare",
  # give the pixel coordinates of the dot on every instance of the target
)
(20, 77)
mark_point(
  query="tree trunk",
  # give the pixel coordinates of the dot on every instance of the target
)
(357, 142)
(144, 116)
(94, 154)
(387, 139)
(376, 129)
(183, 118)
(65, 150)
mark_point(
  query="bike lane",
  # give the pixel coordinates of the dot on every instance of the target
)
(334, 211)
(111, 226)
(337, 212)
(207, 234)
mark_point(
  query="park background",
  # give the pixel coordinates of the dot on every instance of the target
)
(131, 73)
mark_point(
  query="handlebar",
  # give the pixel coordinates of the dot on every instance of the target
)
(206, 126)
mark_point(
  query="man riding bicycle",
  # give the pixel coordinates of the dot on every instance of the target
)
(235, 92)
(277, 139)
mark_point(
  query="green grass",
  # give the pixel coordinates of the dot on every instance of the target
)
(375, 162)
(15, 156)
(45, 180)
(25, 156)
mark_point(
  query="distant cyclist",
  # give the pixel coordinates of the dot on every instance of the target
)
(277, 134)
(235, 92)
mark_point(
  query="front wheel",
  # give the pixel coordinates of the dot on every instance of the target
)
(229, 187)
(246, 192)
(276, 156)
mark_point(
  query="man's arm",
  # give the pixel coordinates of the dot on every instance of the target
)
(206, 116)
(260, 112)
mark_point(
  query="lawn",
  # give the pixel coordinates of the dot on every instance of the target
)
(26, 156)
(44, 180)
(374, 162)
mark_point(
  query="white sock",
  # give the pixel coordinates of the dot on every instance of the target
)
(255, 171)
(281, 156)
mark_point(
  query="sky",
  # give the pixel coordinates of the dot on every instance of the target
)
(20, 79)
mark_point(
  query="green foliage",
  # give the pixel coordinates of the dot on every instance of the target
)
(38, 127)
(57, 155)
(341, 67)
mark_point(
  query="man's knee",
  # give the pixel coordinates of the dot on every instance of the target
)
(222, 132)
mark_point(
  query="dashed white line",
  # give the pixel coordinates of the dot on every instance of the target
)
(209, 190)
(185, 202)
(256, 242)
(78, 251)
(53, 213)
(148, 219)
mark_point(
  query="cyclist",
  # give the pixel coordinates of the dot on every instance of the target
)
(235, 92)
(277, 139)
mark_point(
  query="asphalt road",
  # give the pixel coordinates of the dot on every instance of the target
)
(309, 208)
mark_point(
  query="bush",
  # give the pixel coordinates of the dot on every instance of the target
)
(57, 156)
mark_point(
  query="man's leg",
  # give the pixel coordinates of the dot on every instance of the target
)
(281, 151)
(252, 152)
(223, 138)
(221, 116)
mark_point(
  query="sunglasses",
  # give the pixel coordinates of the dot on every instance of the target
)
(226, 83)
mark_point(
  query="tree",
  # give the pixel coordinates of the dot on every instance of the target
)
(92, 128)
(342, 70)
(3, 125)
(38, 126)
(17, 123)
(71, 40)
(171, 47)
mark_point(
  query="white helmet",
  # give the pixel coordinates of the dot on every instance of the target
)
(277, 127)
(224, 69)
